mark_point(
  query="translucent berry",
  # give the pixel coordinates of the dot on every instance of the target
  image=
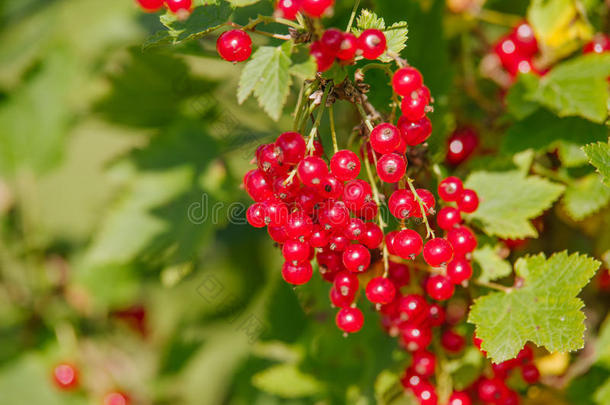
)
(380, 290)
(414, 132)
(426, 394)
(338, 243)
(277, 234)
(65, 376)
(372, 43)
(448, 217)
(330, 187)
(345, 165)
(348, 48)
(234, 45)
(399, 274)
(299, 225)
(524, 39)
(354, 229)
(151, 5)
(324, 60)
(389, 241)
(176, 6)
(346, 283)
(349, 320)
(415, 337)
(461, 144)
(295, 251)
(462, 240)
(436, 315)
(338, 300)
(459, 270)
(356, 193)
(276, 212)
(407, 244)
(599, 44)
(288, 8)
(491, 390)
(450, 188)
(391, 167)
(413, 308)
(437, 252)
(319, 237)
(406, 80)
(414, 105)
(468, 201)
(257, 186)
(439, 288)
(316, 8)
(116, 398)
(356, 258)
(331, 41)
(312, 170)
(297, 274)
(384, 138)
(372, 236)
(452, 341)
(292, 146)
(256, 215)
(459, 398)
(334, 215)
(269, 159)
(402, 204)
(428, 202)
(530, 373)
(424, 363)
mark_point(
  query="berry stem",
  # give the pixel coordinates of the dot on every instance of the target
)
(429, 231)
(264, 33)
(364, 116)
(333, 132)
(494, 286)
(269, 20)
(316, 124)
(352, 16)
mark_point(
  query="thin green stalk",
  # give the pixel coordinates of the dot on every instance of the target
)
(352, 16)
(333, 132)
(429, 231)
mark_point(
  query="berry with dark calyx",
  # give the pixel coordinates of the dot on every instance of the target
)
(276, 212)
(297, 274)
(439, 288)
(151, 5)
(424, 363)
(116, 398)
(285, 188)
(372, 236)
(338, 243)
(427, 201)
(65, 376)
(269, 158)
(491, 390)
(311, 170)
(415, 337)
(331, 41)
(448, 217)
(372, 43)
(295, 251)
(525, 356)
(299, 225)
(354, 229)
(368, 211)
(399, 274)
(334, 215)
(461, 145)
(292, 146)
(599, 44)
(384, 138)
(406, 80)
(338, 300)
(413, 308)
(407, 244)
(330, 187)
(288, 8)
(380, 290)
(316, 8)
(459, 270)
(436, 315)
(356, 193)
(462, 240)
(391, 167)
(256, 215)
(356, 258)
(345, 165)
(234, 45)
(437, 252)
(450, 188)
(468, 201)
(346, 283)
(414, 105)
(348, 48)
(349, 320)
(414, 132)
(402, 203)
(459, 398)
(530, 373)
(452, 341)
(323, 59)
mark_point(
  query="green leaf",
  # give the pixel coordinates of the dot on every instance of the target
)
(305, 70)
(577, 87)
(287, 381)
(242, 3)
(368, 20)
(602, 395)
(542, 130)
(492, 265)
(508, 200)
(599, 156)
(202, 21)
(585, 196)
(267, 75)
(544, 310)
(389, 390)
(466, 369)
(396, 34)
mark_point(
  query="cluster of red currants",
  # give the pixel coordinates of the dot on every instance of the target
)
(313, 8)
(517, 49)
(175, 6)
(66, 377)
(335, 45)
(599, 44)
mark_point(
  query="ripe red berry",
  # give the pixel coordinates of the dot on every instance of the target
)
(234, 45)
(506, 50)
(297, 274)
(116, 398)
(450, 188)
(176, 6)
(288, 8)
(524, 39)
(312, 170)
(295, 251)
(459, 270)
(330, 187)
(380, 290)
(299, 225)
(324, 60)
(346, 283)
(354, 229)
(407, 244)
(372, 236)
(402, 204)
(436, 315)
(413, 308)
(459, 398)
(406, 80)
(256, 215)
(319, 237)
(269, 159)
(452, 341)
(257, 186)
(276, 212)
(316, 8)
(384, 138)
(424, 363)
(525, 356)
(151, 5)
(334, 215)
(462, 240)
(338, 300)
(345, 165)
(391, 167)
(65, 376)
(491, 390)
(277, 234)
(414, 132)
(372, 43)
(448, 217)
(599, 44)
(437, 252)
(427, 201)
(530, 373)
(461, 144)
(356, 193)
(292, 146)
(468, 201)
(399, 274)
(331, 41)
(415, 337)
(426, 395)
(349, 320)
(356, 258)
(439, 287)
(414, 105)
(349, 47)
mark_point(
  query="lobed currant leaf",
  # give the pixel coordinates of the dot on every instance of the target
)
(599, 156)
(508, 200)
(545, 310)
(585, 196)
(304, 70)
(287, 381)
(203, 20)
(492, 265)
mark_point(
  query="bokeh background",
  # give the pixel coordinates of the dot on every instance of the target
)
(124, 248)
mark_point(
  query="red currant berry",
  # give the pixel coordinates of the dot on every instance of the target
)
(459, 270)
(116, 398)
(257, 186)
(506, 50)
(277, 234)
(356, 258)
(288, 8)
(406, 80)
(413, 308)
(276, 212)
(317, 8)
(295, 251)
(338, 243)
(330, 188)
(331, 41)
(269, 158)
(399, 274)
(334, 215)
(424, 363)
(439, 288)
(391, 167)
(402, 204)
(349, 320)
(346, 283)
(462, 240)
(452, 342)
(436, 315)
(65, 376)
(299, 225)
(415, 337)
(450, 189)
(345, 165)
(401, 149)
(530, 373)
(459, 398)
(324, 60)
(414, 132)
(372, 43)
(389, 242)
(599, 44)
(427, 201)
(510, 398)
(151, 5)
(319, 237)
(426, 395)
(448, 218)
(384, 138)
(380, 290)
(491, 390)
(372, 236)
(468, 201)
(312, 170)
(338, 300)
(285, 188)
(414, 105)
(179, 6)
(461, 145)
(356, 193)
(603, 280)
(524, 39)
(354, 229)
(501, 370)
(407, 244)
(234, 46)
(292, 146)
(318, 149)
(437, 252)
(297, 274)
(525, 356)
(349, 47)
(256, 215)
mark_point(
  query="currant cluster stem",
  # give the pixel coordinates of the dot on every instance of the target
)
(429, 231)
